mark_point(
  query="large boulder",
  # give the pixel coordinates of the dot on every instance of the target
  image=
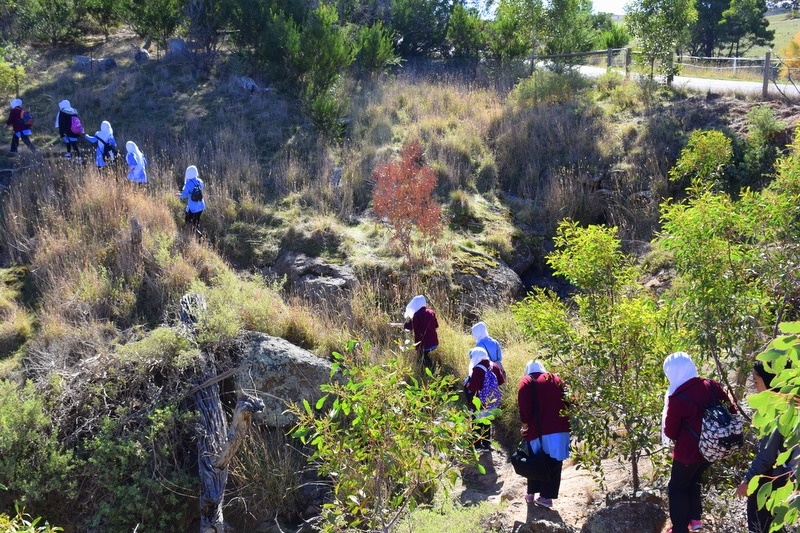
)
(280, 373)
(627, 517)
(314, 278)
(484, 281)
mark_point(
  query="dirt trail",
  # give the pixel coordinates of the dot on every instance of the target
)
(579, 494)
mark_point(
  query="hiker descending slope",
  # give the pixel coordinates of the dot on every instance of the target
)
(106, 151)
(484, 380)
(70, 128)
(422, 321)
(21, 122)
(136, 163)
(492, 347)
(193, 193)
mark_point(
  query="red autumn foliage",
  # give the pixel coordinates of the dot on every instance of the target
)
(403, 196)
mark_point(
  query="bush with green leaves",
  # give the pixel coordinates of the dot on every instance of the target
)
(384, 440)
(778, 409)
(375, 52)
(608, 344)
(704, 160)
(36, 470)
(22, 522)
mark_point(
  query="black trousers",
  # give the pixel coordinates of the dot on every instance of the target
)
(685, 494)
(548, 489)
(192, 220)
(25, 139)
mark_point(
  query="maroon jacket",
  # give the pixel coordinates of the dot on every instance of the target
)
(424, 325)
(475, 383)
(15, 120)
(550, 396)
(683, 413)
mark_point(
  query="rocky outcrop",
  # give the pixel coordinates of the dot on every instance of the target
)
(483, 281)
(87, 63)
(627, 517)
(314, 278)
(279, 373)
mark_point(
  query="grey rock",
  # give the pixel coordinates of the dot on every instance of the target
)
(545, 526)
(141, 56)
(314, 278)
(86, 63)
(280, 373)
(177, 48)
(484, 281)
(627, 517)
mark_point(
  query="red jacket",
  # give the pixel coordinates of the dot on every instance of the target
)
(550, 396)
(687, 412)
(424, 325)
(15, 120)
(475, 383)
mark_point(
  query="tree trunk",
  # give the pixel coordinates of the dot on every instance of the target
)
(216, 446)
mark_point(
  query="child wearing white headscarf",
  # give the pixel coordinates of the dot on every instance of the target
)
(195, 203)
(682, 422)
(106, 150)
(20, 122)
(136, 163)
(422, 321)
(69, 128)
(484, 381)
(492, 347)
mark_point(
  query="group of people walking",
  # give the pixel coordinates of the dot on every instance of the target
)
(71, 130)
(544, 408)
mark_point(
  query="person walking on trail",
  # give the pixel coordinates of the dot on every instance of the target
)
(682, 422)
(492, 347)
(20, 121)
(106, 151)
(70, 128)
(193, 193)
(136, 163)
(543, 406)
(763, 464)
(483, 380)
(422, 321)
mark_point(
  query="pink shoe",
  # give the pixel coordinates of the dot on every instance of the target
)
(694, 525)
(530, 498)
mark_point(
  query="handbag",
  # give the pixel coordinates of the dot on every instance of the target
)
(530, 465)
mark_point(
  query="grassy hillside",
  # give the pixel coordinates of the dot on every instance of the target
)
(88, 314)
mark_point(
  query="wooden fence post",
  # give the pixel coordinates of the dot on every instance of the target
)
(609, 57)
(627, 63)
(767, 71)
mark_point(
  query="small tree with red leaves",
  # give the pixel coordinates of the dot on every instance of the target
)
(403, 195)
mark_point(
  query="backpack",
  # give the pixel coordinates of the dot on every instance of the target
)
(721, 432)
(75, 125)
(197, 193)
(26, 119)
(109, 152)
(489, 395)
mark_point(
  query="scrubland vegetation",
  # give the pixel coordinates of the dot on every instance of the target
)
(605, 184)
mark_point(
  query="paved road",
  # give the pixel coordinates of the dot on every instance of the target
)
(748, 88)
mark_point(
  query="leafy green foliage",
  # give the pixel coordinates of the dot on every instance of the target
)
(375, 49)
(24, 523)
(155, 19)
(55, 21)
(107, 13)
(779, 410)
(760, 147)
(35, 469)
(465, 33)
(385, 440)
(420, 26)
(661, 26)
(403, 194)
(609, 342)
(704, 159)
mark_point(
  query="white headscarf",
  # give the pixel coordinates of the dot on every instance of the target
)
(65, 106)
(476, 355)
(533, 367)
(16, 102)
(105, 132)
(416, 303)
(679, 368)
(479, 331)
(131, 147)
(190, 174)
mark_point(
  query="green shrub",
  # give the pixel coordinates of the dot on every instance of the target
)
(22, 522)
(609, 81)
(545, 87)
(35, 468)
(384, 462)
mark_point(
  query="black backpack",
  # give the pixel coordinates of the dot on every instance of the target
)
(108, 149)
(197, 193)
